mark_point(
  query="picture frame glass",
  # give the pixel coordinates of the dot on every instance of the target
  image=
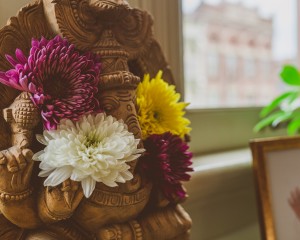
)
(283, 168)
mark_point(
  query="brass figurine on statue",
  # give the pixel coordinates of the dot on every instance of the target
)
(122, 37)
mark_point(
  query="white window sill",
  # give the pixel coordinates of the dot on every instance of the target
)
(222, 195)
(223, 160)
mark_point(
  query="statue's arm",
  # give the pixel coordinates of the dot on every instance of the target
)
(17, 202)
(59, 203)
(21, 214)
(16, 183)
(174, 221)
(25, 205)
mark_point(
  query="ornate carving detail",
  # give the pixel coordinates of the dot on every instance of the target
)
(126, 79)
(61, 231)
(70, 230)
(135, 33)
(174, 220)
(123, 38)
(133, 124)
(76, 24)
(24, 112)
(131, 27)
(109, 5)
(152, 61)
(15, 196)
(23, 117)
(137, 230)
(106, 207)
(113, 232)
(119, 199)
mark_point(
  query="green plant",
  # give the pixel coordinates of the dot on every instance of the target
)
(286, 107)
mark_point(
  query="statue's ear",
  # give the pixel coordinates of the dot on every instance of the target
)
(135, 33)
(80, 29)
(29, 23)
(150, 61)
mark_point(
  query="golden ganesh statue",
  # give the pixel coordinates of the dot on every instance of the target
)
(123, 39)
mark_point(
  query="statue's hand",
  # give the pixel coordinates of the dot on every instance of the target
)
(15, 169)
(173, 219)
(61, 201)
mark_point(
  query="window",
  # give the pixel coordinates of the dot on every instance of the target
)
(231, 68)
(265, 68)
(249, 68)
(213, 63)
(252, 30)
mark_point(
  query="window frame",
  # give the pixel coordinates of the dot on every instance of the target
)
(214, 130)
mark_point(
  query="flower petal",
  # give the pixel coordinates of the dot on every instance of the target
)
(41, 139)
(36, 156)
(167, 162)
(58, 176)
(88, 186)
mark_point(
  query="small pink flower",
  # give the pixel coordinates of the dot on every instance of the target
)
(63, 81)
(167, 161)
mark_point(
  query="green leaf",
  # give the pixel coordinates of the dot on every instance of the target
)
(290, 75)
(291, 96)
(293, 127)
(284, 117)
(268, 121)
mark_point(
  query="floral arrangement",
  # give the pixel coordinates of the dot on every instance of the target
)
(284, 109)
(84, 144)
(161, 116)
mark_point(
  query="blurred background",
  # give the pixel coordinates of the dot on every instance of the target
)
(234, 50)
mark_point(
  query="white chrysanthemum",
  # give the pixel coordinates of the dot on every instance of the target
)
(94, 149)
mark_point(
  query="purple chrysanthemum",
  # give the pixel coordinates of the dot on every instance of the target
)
(63, 81)
(167, 161)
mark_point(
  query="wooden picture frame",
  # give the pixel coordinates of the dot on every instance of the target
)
(276, 163)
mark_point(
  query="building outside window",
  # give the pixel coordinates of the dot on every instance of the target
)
(249, 68)
(213, 65)
(246, 33)
(231, 67)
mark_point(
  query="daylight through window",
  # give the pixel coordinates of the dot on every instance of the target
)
(234, 50)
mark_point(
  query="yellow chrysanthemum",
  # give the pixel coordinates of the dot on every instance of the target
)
(159, 108)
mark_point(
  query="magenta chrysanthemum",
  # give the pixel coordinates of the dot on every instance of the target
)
(63, 81)
(167, 161)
